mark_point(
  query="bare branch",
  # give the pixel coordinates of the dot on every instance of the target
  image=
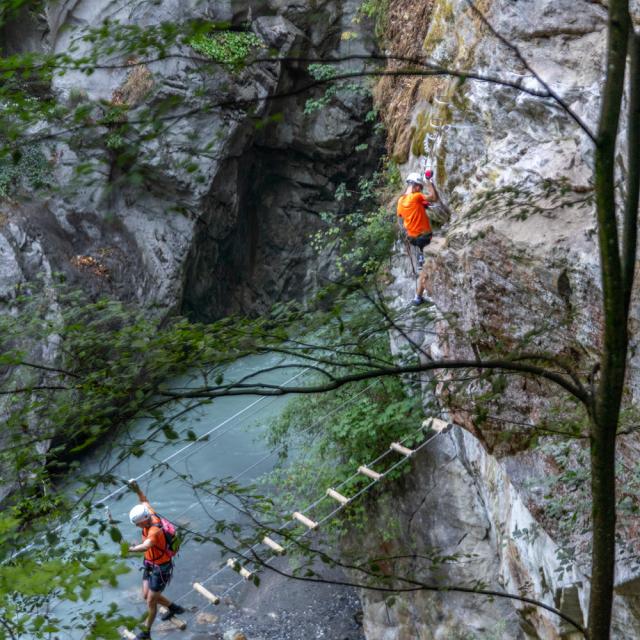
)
(246, 103)
(340, 381)
(420, 586)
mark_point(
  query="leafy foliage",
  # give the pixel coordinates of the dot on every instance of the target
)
(25, 168)
(325, 73)
(230, 48)
(332, 434)
(375, 10)
(362, 238)
(64, 570)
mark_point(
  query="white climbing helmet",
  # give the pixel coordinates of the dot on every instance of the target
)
(415, 178)
(139, 514)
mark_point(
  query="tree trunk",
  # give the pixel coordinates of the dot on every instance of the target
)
(606, 410)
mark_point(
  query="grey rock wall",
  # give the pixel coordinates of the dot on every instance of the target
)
(230, 236)
(518, 265)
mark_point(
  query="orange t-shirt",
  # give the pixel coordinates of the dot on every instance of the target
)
(157, 553)
(412, 209)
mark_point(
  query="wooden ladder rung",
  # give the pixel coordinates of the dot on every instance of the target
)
(273, 545)
(203, 591)
(332, 493)
(128, 635)
(370, 473)
(307, 522)
(235, 565)
(396, 446)
(174, 620)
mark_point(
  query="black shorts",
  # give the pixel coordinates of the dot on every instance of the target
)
(420, 241)
(158, 575)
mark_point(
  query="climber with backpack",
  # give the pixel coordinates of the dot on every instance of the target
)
(412, 208)
(159, 545)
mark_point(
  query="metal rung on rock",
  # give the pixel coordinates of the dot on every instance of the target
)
(273, 545)
(436, 424)
(213, 599)
(370, 473)
(307, 522)
(396, 446)
(174, 620)
(332, 493)
(235, 565)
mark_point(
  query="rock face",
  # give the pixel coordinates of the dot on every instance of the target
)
(515, 269)
(220, 219)
(449, 506)
(213, 215)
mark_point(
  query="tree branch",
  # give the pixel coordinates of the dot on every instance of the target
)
(340, 381)
(252, 102)
(608, 398)
(420, 586)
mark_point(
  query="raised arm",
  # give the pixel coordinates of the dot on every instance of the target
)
(432, 194)
(135, 487)
(148, 543)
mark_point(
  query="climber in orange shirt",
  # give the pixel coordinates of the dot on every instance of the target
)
(412, 208)
(158, 564)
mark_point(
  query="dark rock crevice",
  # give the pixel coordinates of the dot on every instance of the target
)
(252, 247)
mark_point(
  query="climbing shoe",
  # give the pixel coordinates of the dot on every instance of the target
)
(173, 610)
(417, 300)
(420, 260)
(143, 635)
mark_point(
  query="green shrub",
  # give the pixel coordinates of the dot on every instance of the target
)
(27, 168)
(230, 48)
(361, 239)
(334, 433)
(376, 10)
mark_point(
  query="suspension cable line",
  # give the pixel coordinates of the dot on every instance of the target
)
(324, 519)
(333, 513)
(119, 490)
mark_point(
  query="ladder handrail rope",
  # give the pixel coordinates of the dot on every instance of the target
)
(289, 523)
(327, 517)
(119, 490)
(307, 508)
(282, 446)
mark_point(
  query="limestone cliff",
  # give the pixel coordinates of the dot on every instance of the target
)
(516, 264)
(218, 218)
(219, 223)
